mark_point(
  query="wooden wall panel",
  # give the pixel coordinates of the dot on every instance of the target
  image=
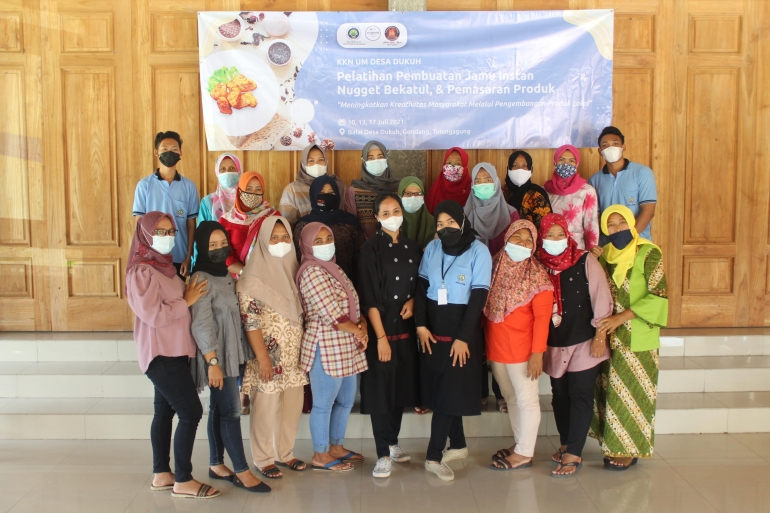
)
(86, 32)
(93, 278)
(10, 32)
(634, 33)
(708, 275)
(174, 32)
(16, 278)
(715, 34)
(632, 104)
(14, 208)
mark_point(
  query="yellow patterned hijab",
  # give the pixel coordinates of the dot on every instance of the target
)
(622, 259)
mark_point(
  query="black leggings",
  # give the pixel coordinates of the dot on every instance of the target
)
(385, 427)
(573, 407)
(441, 427)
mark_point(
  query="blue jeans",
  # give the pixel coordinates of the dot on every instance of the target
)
(332, 400)
(224, 427)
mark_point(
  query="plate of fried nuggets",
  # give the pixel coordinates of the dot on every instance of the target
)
(235, 94)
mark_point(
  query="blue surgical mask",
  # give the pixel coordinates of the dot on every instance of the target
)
(484, 191)
(376, 167)
(517, 253)
(324, 252)
(228, 180)
(555, 247)
(413, 204)
(565, 170)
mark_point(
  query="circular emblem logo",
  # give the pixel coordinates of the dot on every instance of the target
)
(630, 201)
(353, 33)
(392, 33)
(372, 33)
(180, 212)
(461, 278)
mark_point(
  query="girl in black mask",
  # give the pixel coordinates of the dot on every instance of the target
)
(325, 202)
(452, 287)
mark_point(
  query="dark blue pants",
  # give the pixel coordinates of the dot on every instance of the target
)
(224, 426)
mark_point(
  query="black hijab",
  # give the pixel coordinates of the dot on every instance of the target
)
(330, 217)
(515, 192)
(202, 262)
(468, 234)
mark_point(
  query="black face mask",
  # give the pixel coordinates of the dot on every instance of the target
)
(219, 256)
(169, 158)
(327, 202)
(449, 236)
(621, 239)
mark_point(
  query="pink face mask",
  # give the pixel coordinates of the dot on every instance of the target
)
(453, 173)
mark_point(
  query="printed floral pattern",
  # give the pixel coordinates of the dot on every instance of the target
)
(581, 211)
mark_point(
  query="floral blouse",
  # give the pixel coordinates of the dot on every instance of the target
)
(581, 210)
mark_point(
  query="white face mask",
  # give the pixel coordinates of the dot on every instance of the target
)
(517, 253)
(280, 249)
(163, 244)
(392, 223)
(376, 167)
(316, 170)
(413, 204)
(555, 247)
(612, 153)
(519, 176)
(324, 252)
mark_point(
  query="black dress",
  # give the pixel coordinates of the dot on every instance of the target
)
(387, 280)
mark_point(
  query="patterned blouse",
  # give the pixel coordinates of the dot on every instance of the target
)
(282, 338)
(361, 203)
(325, 304)
(581, 211)
(534, 205)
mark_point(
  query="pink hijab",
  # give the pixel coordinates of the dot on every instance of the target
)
(565, 186)
(309, 233)
(222, 200)
(141, 251)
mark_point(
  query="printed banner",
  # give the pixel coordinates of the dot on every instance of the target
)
(412, 80)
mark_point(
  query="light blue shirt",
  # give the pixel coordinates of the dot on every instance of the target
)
(633, 186)
(471, 270)
(178, 199)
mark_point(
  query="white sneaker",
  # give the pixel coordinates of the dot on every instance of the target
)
(442, 471)
(382, 468)
(398, 455)
(454, 454)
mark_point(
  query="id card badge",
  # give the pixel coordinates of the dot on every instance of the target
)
(443, 296)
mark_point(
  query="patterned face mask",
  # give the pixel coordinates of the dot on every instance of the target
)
(251, 200)
(453, 173)
(565, 170)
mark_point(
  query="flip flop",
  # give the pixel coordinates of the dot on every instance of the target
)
(328, 467)
(214, 475)
(554, 462)
(202, 491)
(349, 457)
(507, 465)
(620, 468)
(576, 464)
(293, 465)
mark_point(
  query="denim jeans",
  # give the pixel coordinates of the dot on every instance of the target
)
(224, 426)
(332, 400)
(174, 393)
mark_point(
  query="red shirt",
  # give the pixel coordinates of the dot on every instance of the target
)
(241, 235)
(523, 332)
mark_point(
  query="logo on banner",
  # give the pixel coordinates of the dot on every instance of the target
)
(372, 33)
(353, 33)
(392, 33)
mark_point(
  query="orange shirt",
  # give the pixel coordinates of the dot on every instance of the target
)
(523, 332)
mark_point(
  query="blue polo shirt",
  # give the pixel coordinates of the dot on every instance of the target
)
(178, 199)
(471, 270)
(633, 186)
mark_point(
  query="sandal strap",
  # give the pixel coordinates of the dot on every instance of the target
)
(203, 490)
(270, 470)
(295, 464)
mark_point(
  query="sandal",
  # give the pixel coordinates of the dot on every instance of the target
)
(576, 464)
(202, 493)
(270, 472)
(293, 465)
(214, 475)
(507, 465)
(501, 454)
(502, 406)
(161, 488)
(561, 453)
(328, 467)
(619, 468)
(421, 410)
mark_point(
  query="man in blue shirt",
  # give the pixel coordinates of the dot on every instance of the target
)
(622, 182)
(167, 191)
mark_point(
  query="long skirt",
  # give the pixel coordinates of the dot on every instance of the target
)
(624, 403)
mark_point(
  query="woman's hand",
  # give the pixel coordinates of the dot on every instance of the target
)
(598, 347)
(407, 310)
(184, 269)
(597, 251)
(613, 322)
(215, 377)
(194, 291)
(265, 370)
(383, 349)
(459, 352)
(426, 337)
(535, 366)
(235, 268)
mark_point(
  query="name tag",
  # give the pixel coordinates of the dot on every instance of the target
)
(443, 296)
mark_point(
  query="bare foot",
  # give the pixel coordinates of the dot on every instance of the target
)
(518, 460)
(222, 470)
(248, 479)
(191, 487)
(338, 451)
(561, 470)
(557, 455)
(621, 462)
(163, 479)
(321, 459)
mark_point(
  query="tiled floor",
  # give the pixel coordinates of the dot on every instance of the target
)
(689, 473)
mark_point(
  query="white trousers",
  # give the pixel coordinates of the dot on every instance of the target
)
(521, 394)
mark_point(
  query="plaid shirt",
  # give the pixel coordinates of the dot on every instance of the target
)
(325, 305)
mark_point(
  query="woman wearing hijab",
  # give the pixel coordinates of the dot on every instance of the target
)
(516, 330)
(624, 414)
(529, 199)
(164, 346)
(333, 347)
(214, 206)
(576, 346)
(348, 237)
(222, 351)
(453, 183)
(375, 179)
(419, 225)
(573, 198)
(452, 288)
(295, 199)
(387, 279)
(272, 316)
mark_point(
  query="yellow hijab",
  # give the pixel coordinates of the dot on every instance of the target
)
(623, 259)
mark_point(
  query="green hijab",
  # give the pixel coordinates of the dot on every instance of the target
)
(419, 226)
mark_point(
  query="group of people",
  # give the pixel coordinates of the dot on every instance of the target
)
(417, 291)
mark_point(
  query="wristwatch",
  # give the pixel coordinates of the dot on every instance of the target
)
(213, 361)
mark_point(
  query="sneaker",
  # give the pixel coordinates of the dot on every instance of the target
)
(454, 454)
(382, 468)
(398, 455)
(442, 471)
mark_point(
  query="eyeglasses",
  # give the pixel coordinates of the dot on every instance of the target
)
(163, 233)
(413, 195)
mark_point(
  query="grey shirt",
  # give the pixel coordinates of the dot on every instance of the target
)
(216, 326)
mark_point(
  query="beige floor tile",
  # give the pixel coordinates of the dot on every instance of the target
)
(232, 500)
(757, 442)
(445, 501)
(700, 446)
(552, 496)
(730, 484)
(317, 501)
